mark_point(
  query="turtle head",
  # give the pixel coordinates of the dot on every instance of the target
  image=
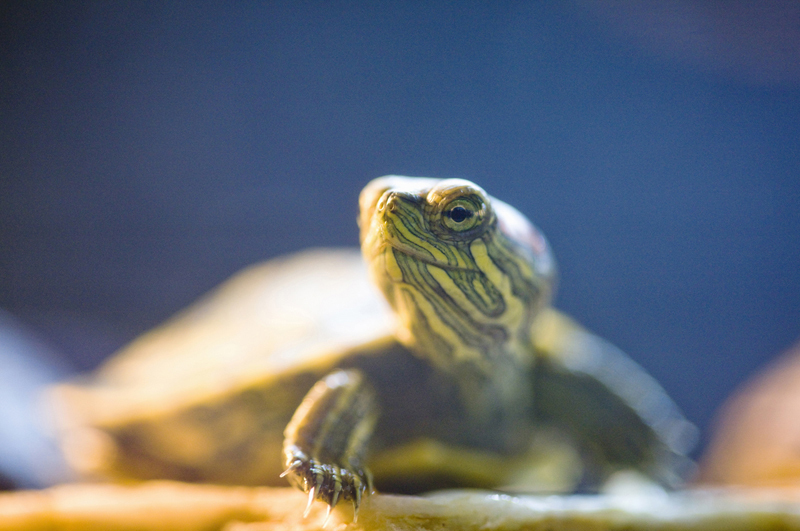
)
(465, 273)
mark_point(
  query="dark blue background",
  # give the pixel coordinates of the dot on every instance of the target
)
(149, 150)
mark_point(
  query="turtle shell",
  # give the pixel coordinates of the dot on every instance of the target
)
(207, 395)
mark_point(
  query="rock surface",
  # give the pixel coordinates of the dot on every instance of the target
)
(165, 506)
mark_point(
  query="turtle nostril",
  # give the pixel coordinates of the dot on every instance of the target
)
(387, 202)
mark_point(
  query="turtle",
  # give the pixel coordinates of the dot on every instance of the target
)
(455, 372)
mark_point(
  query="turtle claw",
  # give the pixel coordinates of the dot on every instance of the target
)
(335, 496)
(310, 501)
(356, 503)
(288, 471)
(328, 482)
(370, 485)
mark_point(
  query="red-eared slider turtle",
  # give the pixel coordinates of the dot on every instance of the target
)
(471, 379)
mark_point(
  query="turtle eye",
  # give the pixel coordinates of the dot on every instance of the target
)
(463, 214)
(459, 214)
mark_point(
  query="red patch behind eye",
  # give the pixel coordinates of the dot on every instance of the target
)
(515, 226)
(527, 236)
(537, 241)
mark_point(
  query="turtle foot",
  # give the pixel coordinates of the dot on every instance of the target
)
(329, 483)
(325, 442)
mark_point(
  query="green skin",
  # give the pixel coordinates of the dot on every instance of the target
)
(474, 367)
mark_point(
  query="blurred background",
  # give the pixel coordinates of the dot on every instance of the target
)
(151, 149)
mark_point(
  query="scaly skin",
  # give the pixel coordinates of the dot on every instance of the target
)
(466, 276)
(323, 460)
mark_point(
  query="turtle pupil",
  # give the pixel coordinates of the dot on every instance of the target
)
(459, 214)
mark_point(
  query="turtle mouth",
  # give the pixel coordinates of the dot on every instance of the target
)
(390, 241)
(430, 261)
(398, 222)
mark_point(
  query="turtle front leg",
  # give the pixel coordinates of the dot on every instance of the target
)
(325, 442)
